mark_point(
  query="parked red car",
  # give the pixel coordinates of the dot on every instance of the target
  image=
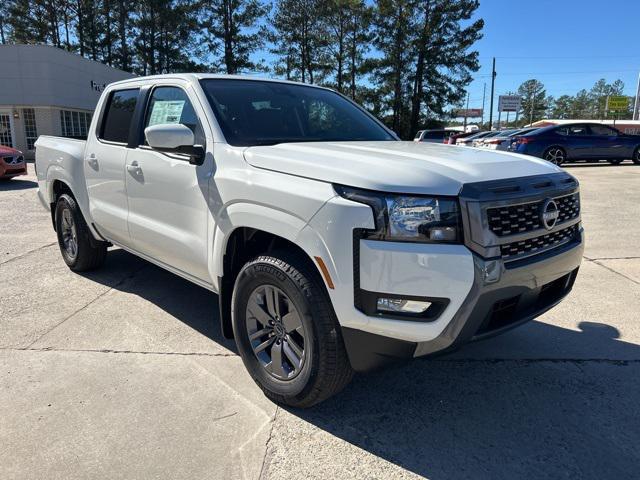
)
(12, 162)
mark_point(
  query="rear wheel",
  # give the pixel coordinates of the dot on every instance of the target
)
(287, 332)
(79, 250)
(555, 155)
(636, 156)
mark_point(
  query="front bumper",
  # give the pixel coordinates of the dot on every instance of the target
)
(521, 294)
(12, 170)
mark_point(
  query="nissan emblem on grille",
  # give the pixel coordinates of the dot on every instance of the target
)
(549, 213)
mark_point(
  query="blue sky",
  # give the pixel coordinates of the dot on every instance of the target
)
(566, 44)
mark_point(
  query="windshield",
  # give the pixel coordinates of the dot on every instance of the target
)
(252, 112)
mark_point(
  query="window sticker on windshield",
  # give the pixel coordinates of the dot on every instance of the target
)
(166, 111)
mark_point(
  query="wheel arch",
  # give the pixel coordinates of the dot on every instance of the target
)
(246, 242)
(59, 181)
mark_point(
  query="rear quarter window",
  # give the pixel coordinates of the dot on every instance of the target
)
(118, 115)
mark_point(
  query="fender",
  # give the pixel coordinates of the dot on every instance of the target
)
(243, 214)
(56, 172)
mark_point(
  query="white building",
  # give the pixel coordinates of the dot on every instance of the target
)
(48, 91)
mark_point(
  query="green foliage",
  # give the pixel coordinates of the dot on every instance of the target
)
(426, 58)
(230, 29)
(422, 61)
(589, 105)
(534, 100)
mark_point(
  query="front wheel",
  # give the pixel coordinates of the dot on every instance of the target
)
(79, 251)
(636, 156)
(287, 332)
(555, 155)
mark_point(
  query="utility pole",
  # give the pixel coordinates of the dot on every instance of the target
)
(493, 83)
(466, 112)
(484, 92)
(636, 106)
(531, 101)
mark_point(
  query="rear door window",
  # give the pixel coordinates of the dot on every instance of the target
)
(572, 130)
(602, 131)
(118, 115)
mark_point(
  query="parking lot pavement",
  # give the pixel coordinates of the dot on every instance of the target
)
(123, 373)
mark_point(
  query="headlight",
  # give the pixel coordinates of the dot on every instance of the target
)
(409, 218)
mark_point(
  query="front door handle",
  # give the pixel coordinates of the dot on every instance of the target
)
(134, 168)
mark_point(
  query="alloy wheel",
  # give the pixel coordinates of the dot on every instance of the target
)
(555, 155)
(276, 332)
(69, 234)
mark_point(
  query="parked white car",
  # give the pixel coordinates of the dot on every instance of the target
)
(502, 141)
(333, 246)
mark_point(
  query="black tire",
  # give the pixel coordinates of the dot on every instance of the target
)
(325, 367)
(636, 156)
(71, 229)
(555, 155)
(615, 161)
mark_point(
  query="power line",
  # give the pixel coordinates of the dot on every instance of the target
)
(556, 73)
(565, 57)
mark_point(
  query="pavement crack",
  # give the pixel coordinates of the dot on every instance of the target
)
(598, 262)
(109, 350)
(18, 257)
(129, 276)
(612, 258)
(263, 472)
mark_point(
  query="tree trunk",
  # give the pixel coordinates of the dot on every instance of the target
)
(107, 15)
(418, 83)
(122, 29)
(229, 60)
(397, 73)
(80, 25)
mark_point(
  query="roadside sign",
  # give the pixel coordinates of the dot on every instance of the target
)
(618, 103)
(469, 112)
(509, 103)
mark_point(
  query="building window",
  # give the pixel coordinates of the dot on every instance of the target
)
(74, 124)
(6, 139)
(30, 130)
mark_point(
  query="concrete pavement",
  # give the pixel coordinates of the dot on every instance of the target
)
(123, 373)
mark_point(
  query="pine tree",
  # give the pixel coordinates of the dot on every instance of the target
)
(232, 31)
(443, 61)
(299, 37)
(534, 100)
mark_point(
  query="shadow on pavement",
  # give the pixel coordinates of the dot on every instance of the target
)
(603, 163)
(189, 303)
(448, 418)
(451, 418)
(16, 184)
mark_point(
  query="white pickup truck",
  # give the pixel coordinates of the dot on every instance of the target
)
(333, 246)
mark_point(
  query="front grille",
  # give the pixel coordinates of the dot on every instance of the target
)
(512, 219)
(531, 246)
(12, 160)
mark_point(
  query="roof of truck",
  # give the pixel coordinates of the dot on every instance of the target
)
(194, 77)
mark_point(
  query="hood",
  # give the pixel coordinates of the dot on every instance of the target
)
(402, 167)
(8, 151)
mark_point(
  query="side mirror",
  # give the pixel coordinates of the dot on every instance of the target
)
(175, 138)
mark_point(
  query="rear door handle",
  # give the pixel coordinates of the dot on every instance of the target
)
(93, 161)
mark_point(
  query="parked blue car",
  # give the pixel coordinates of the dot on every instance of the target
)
(579, 141)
